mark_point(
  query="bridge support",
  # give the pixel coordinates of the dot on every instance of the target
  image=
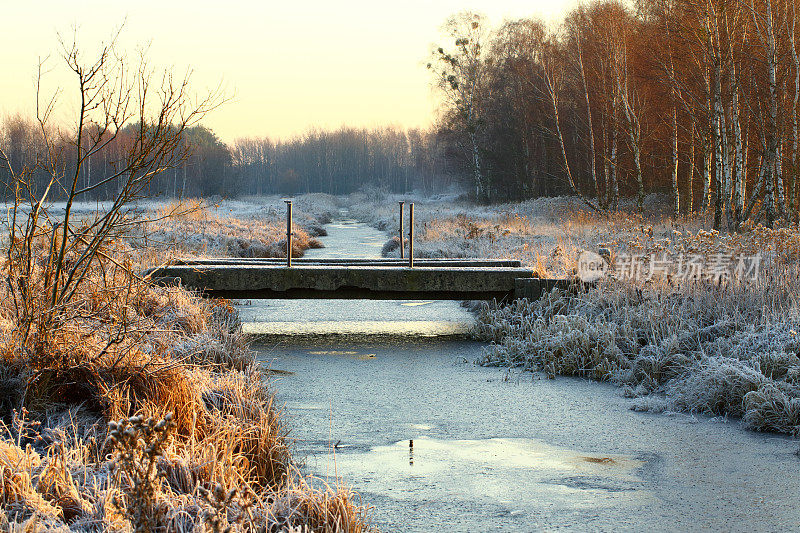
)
(534, 288)
(289, 233)
(402, 237)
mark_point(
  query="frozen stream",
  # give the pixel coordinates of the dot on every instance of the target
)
(490, 454)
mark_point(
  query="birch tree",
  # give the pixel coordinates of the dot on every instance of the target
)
(460, 74)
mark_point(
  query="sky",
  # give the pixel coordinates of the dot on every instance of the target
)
(287, 66)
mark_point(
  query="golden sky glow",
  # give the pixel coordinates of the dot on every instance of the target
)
(291, 65)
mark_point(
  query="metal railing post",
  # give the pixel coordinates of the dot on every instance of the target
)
(402, 237)
(288, 233)
(411, 235)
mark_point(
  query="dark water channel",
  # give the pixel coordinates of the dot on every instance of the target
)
(491, 453)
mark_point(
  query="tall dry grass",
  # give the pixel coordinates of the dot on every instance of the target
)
(251, 227)
(126, 361)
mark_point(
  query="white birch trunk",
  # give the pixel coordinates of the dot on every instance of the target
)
(592, 155)
(772, 127)
(738, 172)
(634, 135)
(675, 192)
(690, 173)
(796, 61)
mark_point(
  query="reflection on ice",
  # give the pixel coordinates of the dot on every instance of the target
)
(424, 328)
(507, 471)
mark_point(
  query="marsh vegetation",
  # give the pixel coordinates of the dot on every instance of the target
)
(719, 346)
(666, 131)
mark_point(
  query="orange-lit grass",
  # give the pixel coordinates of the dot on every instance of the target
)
(124, 348)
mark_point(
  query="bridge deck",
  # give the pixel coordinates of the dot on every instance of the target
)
(348, 279)
(381, 261)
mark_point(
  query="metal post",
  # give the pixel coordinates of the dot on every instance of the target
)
(288, 233)
(411, 235)
(402, 237)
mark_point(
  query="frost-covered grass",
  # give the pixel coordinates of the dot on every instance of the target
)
(244, 227)
(250, 227)
(728, 349)
(144, 409)
(546, 234)
(723, 350)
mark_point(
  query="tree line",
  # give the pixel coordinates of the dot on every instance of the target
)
(694, 98)
(335, 162)
(199, 164)
(343, 161)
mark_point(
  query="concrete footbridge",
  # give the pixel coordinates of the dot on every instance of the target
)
(376, 279)
(357, 278)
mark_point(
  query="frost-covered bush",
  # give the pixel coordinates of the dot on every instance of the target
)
(716, 385)
(771, 409)
(566, 344)
(699, 349)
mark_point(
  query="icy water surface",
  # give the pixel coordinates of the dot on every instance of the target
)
(348, 238)
(497, 454)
